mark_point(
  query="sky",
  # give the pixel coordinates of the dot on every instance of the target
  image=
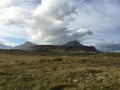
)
(91, 22)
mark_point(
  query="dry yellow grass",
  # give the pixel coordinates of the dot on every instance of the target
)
(36, 72)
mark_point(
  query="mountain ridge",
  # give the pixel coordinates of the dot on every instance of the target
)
(2, 46)
(25, 46)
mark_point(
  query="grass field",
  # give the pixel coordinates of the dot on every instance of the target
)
(36, 72)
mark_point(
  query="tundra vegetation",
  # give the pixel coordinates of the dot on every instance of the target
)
(22, 70)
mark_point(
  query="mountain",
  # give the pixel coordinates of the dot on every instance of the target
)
(26, 46)
(5, 46)
(75, 43)
(69, 48)
(72, 43)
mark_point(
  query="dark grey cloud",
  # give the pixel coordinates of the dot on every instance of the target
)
(109, 47)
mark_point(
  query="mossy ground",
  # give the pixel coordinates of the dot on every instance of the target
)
(35, 72)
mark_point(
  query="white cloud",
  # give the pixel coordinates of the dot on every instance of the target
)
(12, 31)
(14, 15)
(12, 22)
(50, 21)
(8, 43)
(99, 15)
(4, 3)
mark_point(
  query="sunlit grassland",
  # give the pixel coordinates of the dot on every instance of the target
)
(82, 72)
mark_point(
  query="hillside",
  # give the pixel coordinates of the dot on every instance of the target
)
(26, 46)
(5, 46)
(70, 48)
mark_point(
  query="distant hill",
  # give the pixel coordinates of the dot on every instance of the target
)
(70, 48)
(5, 46)
(72, 43)
(26, 46)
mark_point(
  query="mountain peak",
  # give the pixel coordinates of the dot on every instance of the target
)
(25, 46)
(29, 43)
(73, 43)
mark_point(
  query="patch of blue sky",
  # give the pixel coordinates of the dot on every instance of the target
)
(28, 4)
(15, 40)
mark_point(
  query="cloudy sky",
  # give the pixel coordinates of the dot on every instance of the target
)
(92, 22)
